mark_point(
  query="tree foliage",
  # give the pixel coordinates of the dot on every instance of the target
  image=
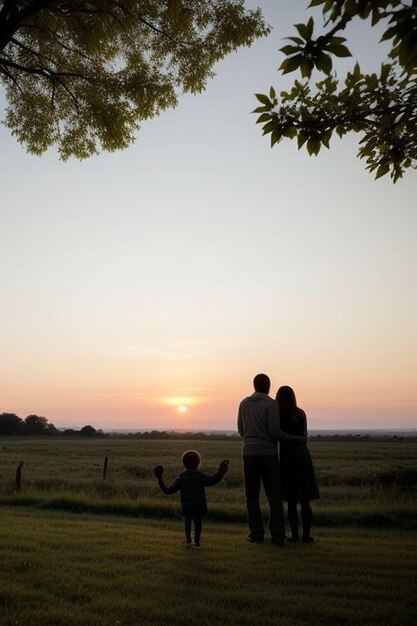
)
(83, 74)
(381, 106)
(10, 424)
(88, 431)
(35, 425)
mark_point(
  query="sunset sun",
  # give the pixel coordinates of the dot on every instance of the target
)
(182, 408)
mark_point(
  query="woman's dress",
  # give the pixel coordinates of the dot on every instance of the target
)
(298, 477)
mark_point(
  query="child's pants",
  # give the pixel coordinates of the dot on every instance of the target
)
(189, 521)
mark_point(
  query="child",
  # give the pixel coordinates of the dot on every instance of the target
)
(191, 483)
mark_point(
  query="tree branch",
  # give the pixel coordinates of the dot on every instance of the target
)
(8, 74)
(42, 71)
(346, 119)
(15, 18)
(72, 9)
(50, 75)
(21, 45)
(160, 31)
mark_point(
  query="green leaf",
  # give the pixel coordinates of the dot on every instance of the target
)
(395, 175)
(316, 144)
(291, 64)
(371, 81)
(303, 31)
(340, 131)
(382, 170)
(264, 99)
(301, 139)
(306, 67)
(339, 50)
(263, 118)
(310, 28)
(389, 34)
(288, 49)
(261, 109)
(313, 146)
(325, 140)
(337, 40)
(272, 93)
(385, 71)
(351, 9)
(375, 16)
(275, 137)
(297, 40)
(290, 132)
(269, 127)
(357, 70)
(324, 63)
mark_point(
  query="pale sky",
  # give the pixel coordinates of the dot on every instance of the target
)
(171, 273)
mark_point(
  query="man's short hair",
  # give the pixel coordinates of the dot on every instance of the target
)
(191, 459)
(261, 383)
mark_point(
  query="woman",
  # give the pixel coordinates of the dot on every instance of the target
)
(298, 477)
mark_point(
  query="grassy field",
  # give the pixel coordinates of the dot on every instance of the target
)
(76, 550)
(64, 569)
(67, 474)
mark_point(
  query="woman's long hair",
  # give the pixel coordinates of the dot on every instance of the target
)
(287, 406)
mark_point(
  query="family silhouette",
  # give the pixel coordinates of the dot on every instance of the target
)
(286, 473)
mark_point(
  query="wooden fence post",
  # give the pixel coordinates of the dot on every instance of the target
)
(19, 475)
(106, 462)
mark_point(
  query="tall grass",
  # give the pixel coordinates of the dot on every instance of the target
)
(362, 483)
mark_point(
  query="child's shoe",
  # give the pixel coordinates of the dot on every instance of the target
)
(197, 546)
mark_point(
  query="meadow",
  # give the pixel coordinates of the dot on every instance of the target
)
(361, 482)
(76, 549)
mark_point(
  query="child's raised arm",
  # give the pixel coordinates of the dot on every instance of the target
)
(213, 479)
(173, 487)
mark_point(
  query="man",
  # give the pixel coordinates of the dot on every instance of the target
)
(258, 424)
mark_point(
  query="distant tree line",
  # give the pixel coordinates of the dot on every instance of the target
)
(222, 436)
(173, 434)
(36, 425)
